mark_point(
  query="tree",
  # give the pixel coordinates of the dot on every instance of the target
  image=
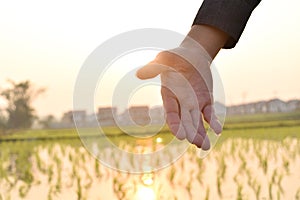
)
(19, 97)
(47, 121)
(2, 122)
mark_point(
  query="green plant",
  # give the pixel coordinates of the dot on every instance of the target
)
(297, 196)
(207, 194)
(79, 190)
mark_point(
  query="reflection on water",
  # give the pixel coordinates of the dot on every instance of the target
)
(237, 169)
(147, 179)
(145, 193)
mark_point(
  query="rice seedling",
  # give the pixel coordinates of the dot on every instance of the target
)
(222, 167)
(297, 195)
(250, 178)
(70, 157)
(172, 175)
(257, 189)
(40, 164)
(239, 192)
(280, 184)
(58, 174)
(233, 148)
(50, 173)
(89, 179)
(274, 175)
(207, 194)
(79, 188)
(278, 195)
(286, 164)
(63, 150)
(118, 186)
(97, 168)
(201, 169)
(82, 156)
(221, 171)
(23, 190)
(219, 182)
(50, 193)
(264, 164)
(270, 191)
(189, 189)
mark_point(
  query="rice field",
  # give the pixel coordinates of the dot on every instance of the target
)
(259, 159)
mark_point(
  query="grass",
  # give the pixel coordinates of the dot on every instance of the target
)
(266, 117)
(233, 124)
(64, 134)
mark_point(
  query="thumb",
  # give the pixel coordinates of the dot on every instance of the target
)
(151, 70)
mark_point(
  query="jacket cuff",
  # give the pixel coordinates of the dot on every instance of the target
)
(230, 16)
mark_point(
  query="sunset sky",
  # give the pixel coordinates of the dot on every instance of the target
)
(47, 43)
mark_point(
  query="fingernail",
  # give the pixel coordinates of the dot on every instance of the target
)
(206, 144)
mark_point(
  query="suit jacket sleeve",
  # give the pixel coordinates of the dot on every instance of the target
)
(230, 16)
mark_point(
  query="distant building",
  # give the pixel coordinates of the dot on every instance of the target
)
(135, 115)
(293, 105)
(276, 105)
(157, 115)
(92, 120)
(220, 108)
(107, 115)
(142, 115)
(70, 117)
(271, 106)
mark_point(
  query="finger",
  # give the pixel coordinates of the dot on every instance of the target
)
(172, 113)
(211, 118)
(151, 70)
(191, 131)
(197, 118)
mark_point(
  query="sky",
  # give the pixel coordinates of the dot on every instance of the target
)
(48, 41)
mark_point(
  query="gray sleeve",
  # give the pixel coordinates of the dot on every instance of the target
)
(230, 16)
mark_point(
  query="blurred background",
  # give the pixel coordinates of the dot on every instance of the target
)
(43, 45)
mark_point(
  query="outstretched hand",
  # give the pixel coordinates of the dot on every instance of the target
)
(186, 92)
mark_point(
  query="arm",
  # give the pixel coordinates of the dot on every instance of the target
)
(185, 71)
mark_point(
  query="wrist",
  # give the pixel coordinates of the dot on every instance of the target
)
(193, 52)
(210, 38)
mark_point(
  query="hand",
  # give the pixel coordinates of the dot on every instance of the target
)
(186, 92)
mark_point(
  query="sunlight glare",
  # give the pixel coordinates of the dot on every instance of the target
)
(159, 140)
(147, 179)
(145, 193)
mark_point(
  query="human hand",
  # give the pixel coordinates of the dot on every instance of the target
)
(186, 92)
